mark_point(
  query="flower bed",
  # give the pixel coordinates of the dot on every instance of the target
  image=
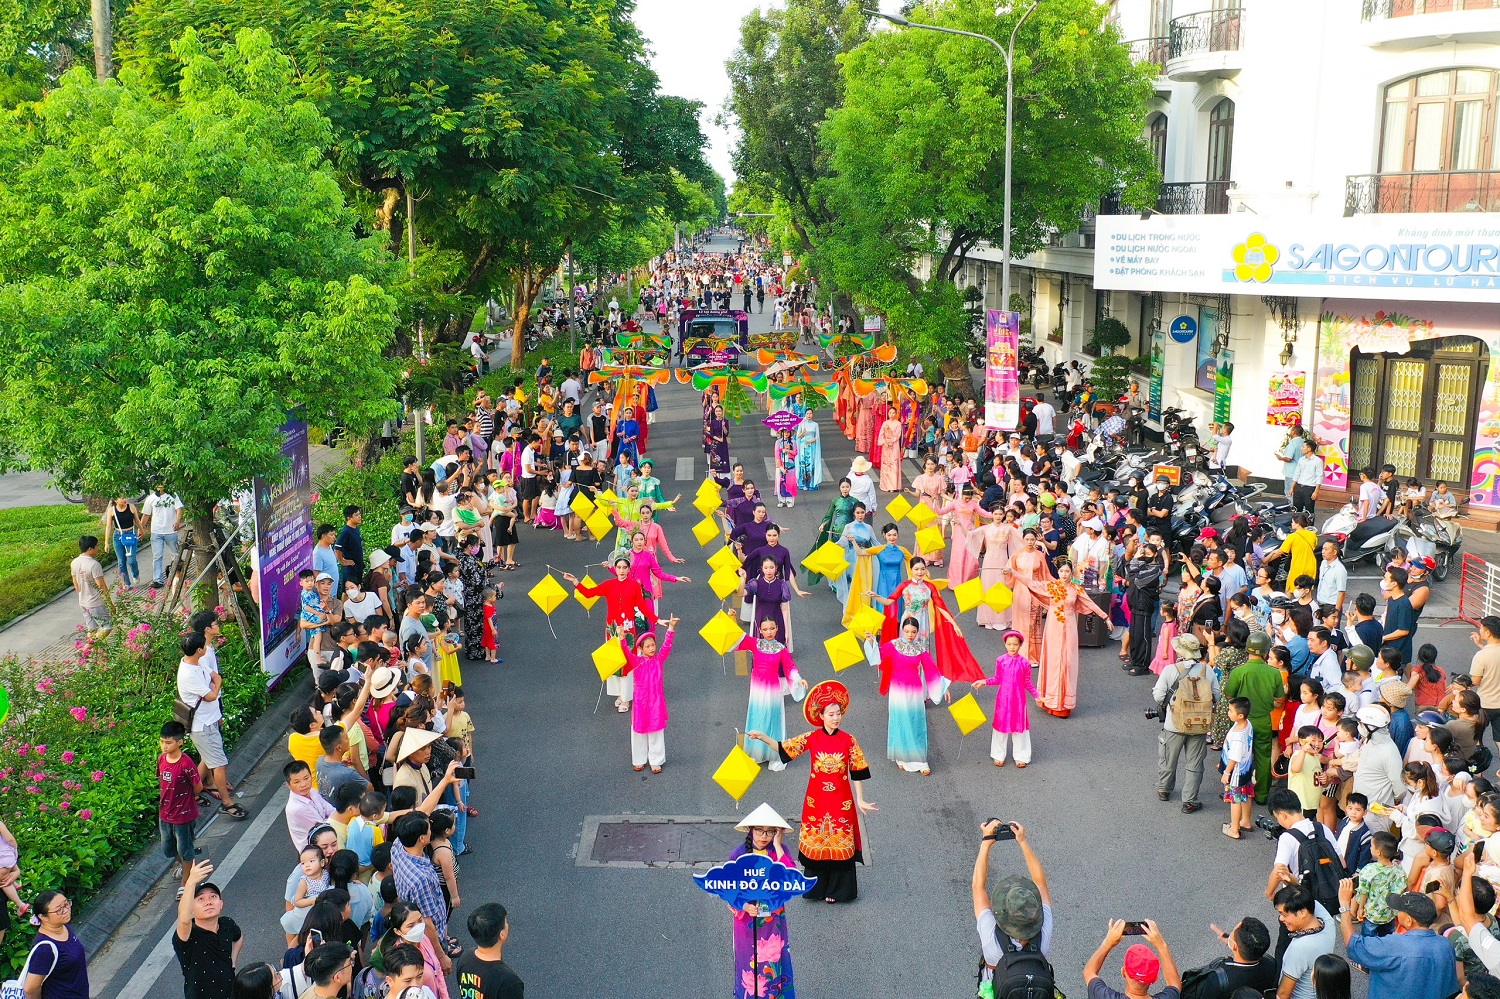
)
(78, 752)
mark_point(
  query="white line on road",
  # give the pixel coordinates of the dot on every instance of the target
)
(828, 474)
(141, 983)
(770, 470)
(684, 469)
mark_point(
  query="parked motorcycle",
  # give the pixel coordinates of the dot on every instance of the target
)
(1426, 534)
(1360, 541)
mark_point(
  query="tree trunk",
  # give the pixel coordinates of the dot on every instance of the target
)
(104, 40)
(386, 213)
(527, 284)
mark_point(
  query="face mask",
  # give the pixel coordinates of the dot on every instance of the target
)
(406, 517)
(1384, 586)
(353, 593)
(1278, 617)
(415, 934)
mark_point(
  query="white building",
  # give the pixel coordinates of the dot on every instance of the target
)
(1359, 141)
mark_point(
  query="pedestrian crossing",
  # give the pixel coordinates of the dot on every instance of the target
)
(686, 470)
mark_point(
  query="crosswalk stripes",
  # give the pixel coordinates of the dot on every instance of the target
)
(684, 471)
(828, 475)
(770, 469)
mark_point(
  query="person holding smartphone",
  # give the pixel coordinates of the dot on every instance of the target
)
(1142, 966)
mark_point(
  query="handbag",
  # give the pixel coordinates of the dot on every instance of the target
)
(183, 713)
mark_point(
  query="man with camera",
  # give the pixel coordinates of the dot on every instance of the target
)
(1143, 590)
(1185, 694)
(1015, 931)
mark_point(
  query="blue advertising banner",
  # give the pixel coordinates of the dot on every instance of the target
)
(283, 548)
(753, 878)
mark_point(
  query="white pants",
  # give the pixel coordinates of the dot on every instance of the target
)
(1022, 744)
(622, 687)
(648, 747)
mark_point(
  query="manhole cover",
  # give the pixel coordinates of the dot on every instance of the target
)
(657, 840)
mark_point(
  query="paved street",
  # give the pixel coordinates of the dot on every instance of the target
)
(547, 762)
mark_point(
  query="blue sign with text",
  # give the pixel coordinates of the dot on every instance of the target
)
(753, 878)
(1183, 329)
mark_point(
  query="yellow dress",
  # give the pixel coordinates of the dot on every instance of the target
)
(447, 664)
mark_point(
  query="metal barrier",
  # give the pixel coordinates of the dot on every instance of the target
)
(1478, 589)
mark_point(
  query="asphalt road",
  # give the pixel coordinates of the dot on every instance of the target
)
(547, 761)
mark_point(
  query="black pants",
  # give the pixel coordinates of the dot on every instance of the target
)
(1302, 498)
(1141, 634)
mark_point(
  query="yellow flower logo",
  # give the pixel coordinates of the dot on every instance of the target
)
(1253, 259)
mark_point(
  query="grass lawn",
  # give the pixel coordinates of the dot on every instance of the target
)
(36, 545)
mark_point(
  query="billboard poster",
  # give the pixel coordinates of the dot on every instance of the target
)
(283, 546)
(1284, 398)
(1158, 374)
(1204, 360)
(1002, 380)
(1223, 385)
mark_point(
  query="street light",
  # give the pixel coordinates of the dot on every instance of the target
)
(1008, 53)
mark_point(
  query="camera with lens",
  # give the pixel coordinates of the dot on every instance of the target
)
(1152, 713)
(1268, 825)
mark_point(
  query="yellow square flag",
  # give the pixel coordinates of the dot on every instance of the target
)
(723, 559)
(707, 503)
(921, 515)
(898, 507)
(708, 487)
(970, 594)
(548, 594)
(599, 525)
(724, 582)
(826, 560)
(967, 712)
(609, 659)
(867, 619)
(998, 597)
(844, 650)
(737, 773)
(588, 602)
(582, 506)
(721, 633)
(705, 531)
(930, 539)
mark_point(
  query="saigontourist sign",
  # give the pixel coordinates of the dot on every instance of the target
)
(1447, 257)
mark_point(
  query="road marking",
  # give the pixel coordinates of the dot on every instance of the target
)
(161, 956)
(684, 469)
(827, 474)
(770, 469)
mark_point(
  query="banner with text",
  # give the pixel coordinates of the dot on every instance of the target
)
(1002, 379)
(1446, 257)
(1158, 374)
(283, 547)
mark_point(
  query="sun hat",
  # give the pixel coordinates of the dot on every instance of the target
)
(1187, 645)
(764, 817)
(413, 739)
(1018, 908)
(1396, 693)
(1373, 716)
(385, 681)
(378, 558)
(820, 696)
(1141, 964)
(860, 465)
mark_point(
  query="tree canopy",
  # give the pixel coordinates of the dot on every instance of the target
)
(177, 276)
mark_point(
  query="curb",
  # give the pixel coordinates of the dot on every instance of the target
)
(117, 899)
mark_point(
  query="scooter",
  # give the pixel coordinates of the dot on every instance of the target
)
(1426, 534)
(1359, 540)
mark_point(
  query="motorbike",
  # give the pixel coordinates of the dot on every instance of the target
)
(1359, 541)
(1424, 533)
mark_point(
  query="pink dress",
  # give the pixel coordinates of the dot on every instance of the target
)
(1025, 612)
(963, 566)
(656, 538)
(930, 491)
(864, 423)
(890, 455)
(1001, 542)
(648, 712)
(786, 469)
(646, 570)
(1059, 658)
(1164, 653)
(1012, 683)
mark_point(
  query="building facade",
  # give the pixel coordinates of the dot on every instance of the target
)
(1329, 221)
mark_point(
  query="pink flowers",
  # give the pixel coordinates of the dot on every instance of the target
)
(22, 749)
(79, 713)
(86, 813)
(67, 756)
(39, 750)
(97, 776)
(65, 804)
(45, 685)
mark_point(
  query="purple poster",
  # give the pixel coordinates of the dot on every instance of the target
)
(1002, 381)
(283, 548)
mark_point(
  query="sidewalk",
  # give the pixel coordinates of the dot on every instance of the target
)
(49, 629)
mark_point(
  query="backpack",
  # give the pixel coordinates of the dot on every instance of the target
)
(1322, 867)
(1023, 973)
(368, 984)
(1192, 702)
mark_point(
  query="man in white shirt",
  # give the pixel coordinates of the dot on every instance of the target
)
(1333, 578)
(1046, 416)
(1325, 667)
(1221, 450)
(571, 388)
(1371, 496)
(165, 511)
(198, 686)
(1022, 906)
(1307, 478)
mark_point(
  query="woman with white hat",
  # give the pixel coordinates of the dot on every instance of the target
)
(861, 486)
(762, 965)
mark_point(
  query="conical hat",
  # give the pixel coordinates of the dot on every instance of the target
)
(764, 817)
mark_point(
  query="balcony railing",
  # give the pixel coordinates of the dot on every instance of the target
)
(1449, 191)
(1380, 10)
(1156, 50)
(1206, 31)
(1204, 197)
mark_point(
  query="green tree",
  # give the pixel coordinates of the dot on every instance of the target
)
(917, 153)
(177, 276)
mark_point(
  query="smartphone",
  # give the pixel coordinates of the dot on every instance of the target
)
(316, 936)
(464, 773)
(1479, 852)
(1135, 928)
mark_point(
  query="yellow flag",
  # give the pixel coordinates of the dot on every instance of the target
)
(599, 525)
(724, 582)
(706, 530)
(707, 503)
(588, 602)
(724, 558)
(867, 619)
(708, 487)
(930, 539)
(609, 659)
(582, 505)
(827, 560)
(548, 594)
(998, 597)
(921, 515)
(898, 507)
(737, 773)
(722, 633)
(608, 496)
(967, 712)
(970, 594)
(844, 650)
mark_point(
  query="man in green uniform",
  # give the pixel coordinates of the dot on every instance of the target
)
(1262, 684)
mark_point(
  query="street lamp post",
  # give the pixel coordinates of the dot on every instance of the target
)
(1008, 53)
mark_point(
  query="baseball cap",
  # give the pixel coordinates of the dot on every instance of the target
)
(1414, 904)
(1208, 532)
(204, 886)
(330, 680)
(1442, 841)
(323, 575)
(1142, 965)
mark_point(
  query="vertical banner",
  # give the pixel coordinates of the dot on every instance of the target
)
(283, 546)
(1223, 385)
(1158, 373)
(1284, 398)
(1002, 379)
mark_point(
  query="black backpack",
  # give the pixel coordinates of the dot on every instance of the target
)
(1322, 867)
(1023, 973)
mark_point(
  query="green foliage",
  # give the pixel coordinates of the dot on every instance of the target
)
(1111, 376)
(1109, 336)
(177, 276)
(373, 487)
(36, 545)
(917, 151)
(78, 759)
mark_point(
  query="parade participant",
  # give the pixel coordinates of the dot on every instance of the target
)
(829, 844)
(1028, 566)
(749, 533)
(917, 599)
(786, 469)
(831, 528)
(648, 716)
(1263, 685)
(861, 486)
(1063, 602)
(909, 677)
(994, 546)
(627, 608)
(762, 962)
(736, 490)
(879, 568)
(627, 436)
(650, 485)
(864, 423)
(809, 453)
(773, 674)
(768, 598)
(656, 538)
(1012, 683)
(646, 570)
(889, 442)
(773, 549)
(928, 487)
(963, 513)
(716, 445)
(856, 539)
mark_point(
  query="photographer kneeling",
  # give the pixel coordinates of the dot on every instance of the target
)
(1246, 966)
(1015, 932)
